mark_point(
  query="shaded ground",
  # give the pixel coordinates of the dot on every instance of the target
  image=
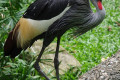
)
(107, 70)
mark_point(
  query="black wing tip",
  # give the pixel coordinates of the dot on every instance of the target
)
(7, 54)
(10, 47)
(14, 53)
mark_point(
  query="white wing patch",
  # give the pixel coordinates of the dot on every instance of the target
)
(43, 25)
(31, 28)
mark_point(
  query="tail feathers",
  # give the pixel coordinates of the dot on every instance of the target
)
(10, 47)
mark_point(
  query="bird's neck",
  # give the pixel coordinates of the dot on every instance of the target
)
(94, 20)
(100, 14)
(91, 20)
(98, 17)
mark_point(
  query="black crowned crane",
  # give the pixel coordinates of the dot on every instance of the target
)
(48, 19)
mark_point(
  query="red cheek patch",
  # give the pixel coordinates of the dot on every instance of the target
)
(99, 5)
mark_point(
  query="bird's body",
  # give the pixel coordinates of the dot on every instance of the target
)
(48, 19)
(37, 27)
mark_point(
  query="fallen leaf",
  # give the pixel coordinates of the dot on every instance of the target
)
(117, 23)
(109, 28)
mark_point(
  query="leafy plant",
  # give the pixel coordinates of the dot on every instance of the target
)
(88, 49)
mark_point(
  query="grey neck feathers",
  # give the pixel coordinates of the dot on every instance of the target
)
(93, 20)
(96, 18)
(100, 15)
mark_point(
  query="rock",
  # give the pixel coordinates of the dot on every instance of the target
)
(47, 63)
(107, 70)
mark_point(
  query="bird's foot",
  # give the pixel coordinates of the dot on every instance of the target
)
(37, 67)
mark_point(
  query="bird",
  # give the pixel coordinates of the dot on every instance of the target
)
(50, 19)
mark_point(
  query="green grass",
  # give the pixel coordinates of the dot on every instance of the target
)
(88, 48)
(99, 42)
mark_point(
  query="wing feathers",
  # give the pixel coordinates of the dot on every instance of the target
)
(35, 9)
(45, 9)
(10, 47)
(23, 32)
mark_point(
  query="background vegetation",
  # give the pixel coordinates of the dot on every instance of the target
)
(88, 49)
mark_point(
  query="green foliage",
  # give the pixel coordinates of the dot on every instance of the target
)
(72, 74)
(11, 11)
(88, 48)
(100, 42)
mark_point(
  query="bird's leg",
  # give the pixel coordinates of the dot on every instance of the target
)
(56, 61)
(36, 65)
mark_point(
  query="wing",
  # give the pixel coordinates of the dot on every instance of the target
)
(79, 13)
(45, 9)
